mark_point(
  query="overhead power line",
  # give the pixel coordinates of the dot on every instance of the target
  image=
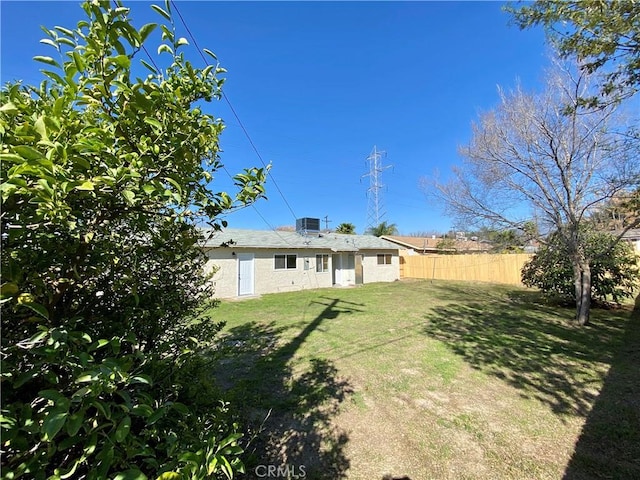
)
(236, 116)
(233, 111)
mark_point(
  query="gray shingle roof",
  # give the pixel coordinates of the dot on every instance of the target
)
(232, 237)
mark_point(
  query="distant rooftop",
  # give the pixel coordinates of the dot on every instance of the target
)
(632, 234)
(429, 244)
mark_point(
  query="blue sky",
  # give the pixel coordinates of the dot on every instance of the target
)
(318, 84)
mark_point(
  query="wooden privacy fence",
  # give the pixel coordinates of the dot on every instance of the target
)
(484, 267)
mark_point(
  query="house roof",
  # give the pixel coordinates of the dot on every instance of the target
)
(237, 238)
(632, 234)
(417, 243)
(427, 244)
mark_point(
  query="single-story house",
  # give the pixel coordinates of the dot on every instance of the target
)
(254, 262)
(427, 245)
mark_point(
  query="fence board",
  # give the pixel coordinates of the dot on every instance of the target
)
(495, 268)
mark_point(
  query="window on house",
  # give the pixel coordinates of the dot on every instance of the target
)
(322, 263)
(285, 262)
(384, 259)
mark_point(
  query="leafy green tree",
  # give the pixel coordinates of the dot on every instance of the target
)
(603, 35)
(105, 302)
(620, 212)
(505, 241)
(383, 228)
(346, 228)
(614, 268)
(510, 240)
(446, 246)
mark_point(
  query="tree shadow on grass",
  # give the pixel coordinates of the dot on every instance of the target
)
(516, 337)
(609, 445)
(288, 408)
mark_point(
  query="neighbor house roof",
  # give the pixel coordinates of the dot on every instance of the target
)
(237, 238)
(416, 243)
(427, 244)
(632, 234)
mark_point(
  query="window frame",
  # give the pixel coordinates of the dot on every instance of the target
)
(286, 257)
(384, 257)
(320, 262)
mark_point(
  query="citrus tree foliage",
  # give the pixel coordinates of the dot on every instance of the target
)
(104, 299)
(614, 268)
(602, 34)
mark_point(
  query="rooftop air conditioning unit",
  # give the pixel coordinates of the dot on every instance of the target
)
(308, 225)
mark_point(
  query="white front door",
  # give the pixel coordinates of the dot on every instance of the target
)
(245, 274)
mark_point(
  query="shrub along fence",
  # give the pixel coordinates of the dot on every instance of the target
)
(495, 268)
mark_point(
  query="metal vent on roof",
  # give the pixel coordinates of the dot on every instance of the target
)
(308, 225)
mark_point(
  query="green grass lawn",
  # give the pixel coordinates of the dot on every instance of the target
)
(442, 380)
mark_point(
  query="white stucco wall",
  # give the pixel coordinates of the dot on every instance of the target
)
(225, 280)
(372, 272)
(268, 279)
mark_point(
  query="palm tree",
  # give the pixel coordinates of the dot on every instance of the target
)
(348, 228)
(383, 229)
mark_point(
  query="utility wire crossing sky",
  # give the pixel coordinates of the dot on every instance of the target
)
(312, 87)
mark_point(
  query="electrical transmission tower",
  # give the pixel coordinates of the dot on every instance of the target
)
(375, 210)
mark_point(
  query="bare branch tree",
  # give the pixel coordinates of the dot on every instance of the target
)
(544, 155)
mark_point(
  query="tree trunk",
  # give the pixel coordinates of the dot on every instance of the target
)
(582, 279)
